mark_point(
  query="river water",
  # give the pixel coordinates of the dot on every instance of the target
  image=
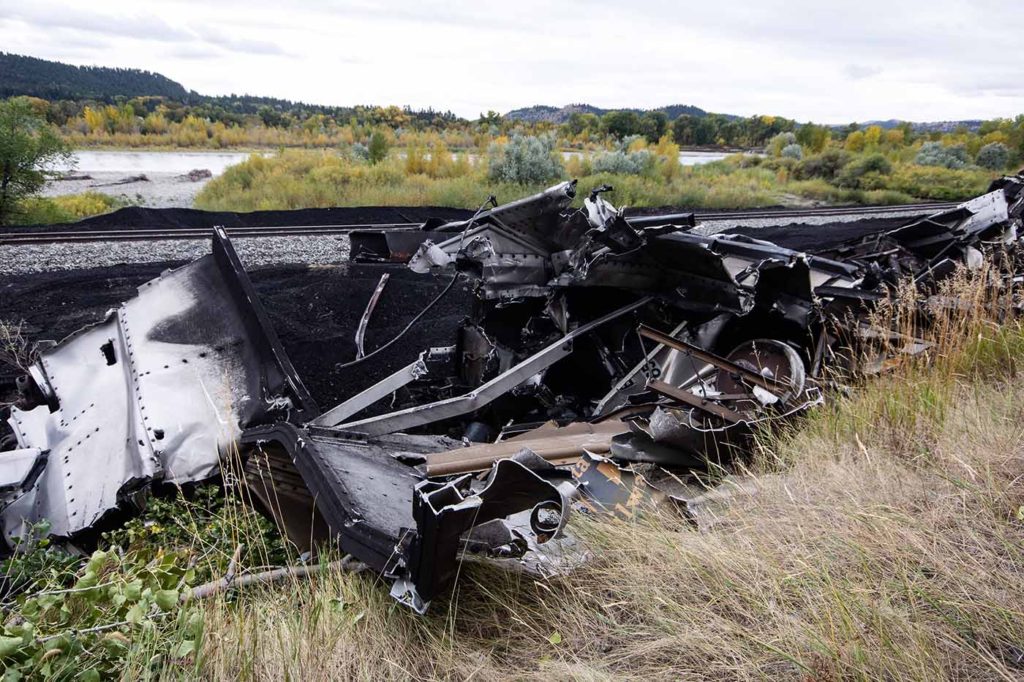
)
(144, 162)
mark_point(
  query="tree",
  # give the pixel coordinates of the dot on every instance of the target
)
(29, 147)
(653, 125)
(812, 136)
(378, 147)
(872, 137)
(621, 123)
(855, 142)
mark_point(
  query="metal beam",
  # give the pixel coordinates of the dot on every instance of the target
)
(488, 392)
(692, 400)
(770, 384)
(379, 390)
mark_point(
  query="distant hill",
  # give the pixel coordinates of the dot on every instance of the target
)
(21, 75)
(929, 126)
(549, 114)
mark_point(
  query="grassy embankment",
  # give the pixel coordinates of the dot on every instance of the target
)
(296, 179)
(64, 209)
(427, 173)
(881, 537)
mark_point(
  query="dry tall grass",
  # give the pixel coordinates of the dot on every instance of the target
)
(883, 539)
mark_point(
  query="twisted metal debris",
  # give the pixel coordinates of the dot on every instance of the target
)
(603, 360)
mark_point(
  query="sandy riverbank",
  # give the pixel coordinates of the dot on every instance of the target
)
(159, 190)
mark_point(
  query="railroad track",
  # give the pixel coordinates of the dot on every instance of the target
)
(154, 234)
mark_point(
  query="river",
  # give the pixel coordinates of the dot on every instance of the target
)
(146, 162)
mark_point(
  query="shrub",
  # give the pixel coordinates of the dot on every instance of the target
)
(779, 163)
(780, 142)
(993, 156)
(622, 162)
(825, 165)
(793, 151)
(525, 160)
(64, 209)
(360, 151)
(937, 154)
(932, 182)
(867, 172)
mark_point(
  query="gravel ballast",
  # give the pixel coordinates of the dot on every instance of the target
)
(329, 250)
(254, 252)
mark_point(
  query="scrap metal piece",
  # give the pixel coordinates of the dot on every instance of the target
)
(776, 387)
(153, 393)
(414, 371)
(605, 486)
(387, 515)
(488, 392)
(444, 512)
(693, 400)
(558, 444)
(365, 319)
(388, 246)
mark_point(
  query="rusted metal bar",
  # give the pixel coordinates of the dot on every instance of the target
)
(770, 384)
(693, 400)
(552, 444)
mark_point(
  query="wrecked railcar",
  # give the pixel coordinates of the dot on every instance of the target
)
(593, 344)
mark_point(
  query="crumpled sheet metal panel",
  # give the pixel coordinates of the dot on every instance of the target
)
(155, 392)
(392, 518)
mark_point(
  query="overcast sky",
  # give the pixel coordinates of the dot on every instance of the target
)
(830, 61)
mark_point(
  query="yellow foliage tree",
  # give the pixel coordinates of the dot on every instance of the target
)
(855, 142)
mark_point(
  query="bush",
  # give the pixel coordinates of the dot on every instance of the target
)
(64, 209)
(785, 163)
(993, 156)
(793, 151)
(867, 172)
(360, 151)
(946, 184)
(780, 142)
(937, 154)
(825, 165)
(525, 160)
(622, 162)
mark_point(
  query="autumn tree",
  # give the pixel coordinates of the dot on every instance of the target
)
(29, 148)
(378, 147)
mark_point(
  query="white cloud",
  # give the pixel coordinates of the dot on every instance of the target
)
(830, 61)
